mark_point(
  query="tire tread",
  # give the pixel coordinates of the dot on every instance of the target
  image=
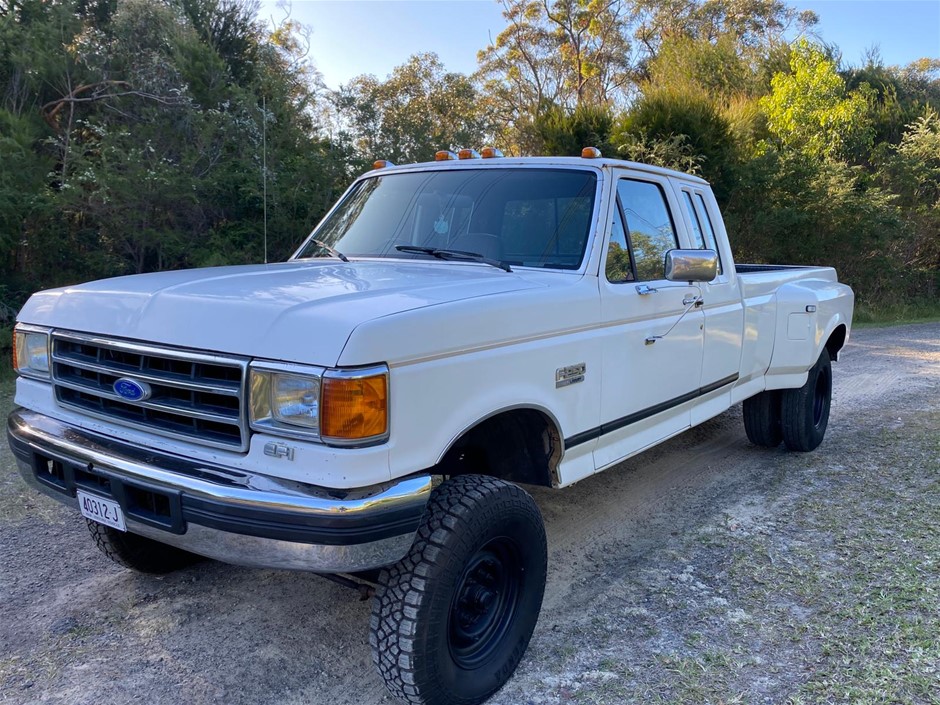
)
(762, 419)
(799, 433)
(404, 586)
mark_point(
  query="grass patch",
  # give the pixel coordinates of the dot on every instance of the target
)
(867, 573)
(825, 590)
(881, 315)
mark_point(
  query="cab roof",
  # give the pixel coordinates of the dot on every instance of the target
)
(496, 162)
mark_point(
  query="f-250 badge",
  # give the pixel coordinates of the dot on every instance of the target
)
(572, 374)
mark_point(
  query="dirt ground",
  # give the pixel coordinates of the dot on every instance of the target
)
(704, 571)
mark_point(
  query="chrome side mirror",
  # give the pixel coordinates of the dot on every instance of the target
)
(691, 265)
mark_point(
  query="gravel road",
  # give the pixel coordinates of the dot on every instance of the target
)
(642, 578)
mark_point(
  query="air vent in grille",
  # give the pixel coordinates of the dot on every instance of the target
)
(193, 396)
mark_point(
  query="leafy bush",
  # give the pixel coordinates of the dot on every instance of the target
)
(687, 124)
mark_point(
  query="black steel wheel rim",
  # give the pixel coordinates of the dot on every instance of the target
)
(485, 602)
(820, 396)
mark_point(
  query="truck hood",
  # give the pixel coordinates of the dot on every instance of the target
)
(292, 311)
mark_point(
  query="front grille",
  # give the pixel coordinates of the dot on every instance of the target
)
(197, 397)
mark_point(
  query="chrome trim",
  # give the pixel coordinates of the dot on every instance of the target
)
(156, 406)
(691, 265)
(30, 328)
(356, 372)
(257, 552)
(361, 373)
(232, 391)
(147, 349)
(241, 488)
(239, 390)
(287, 367)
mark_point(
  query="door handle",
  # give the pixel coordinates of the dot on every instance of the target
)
(645, 289)
(689, 300)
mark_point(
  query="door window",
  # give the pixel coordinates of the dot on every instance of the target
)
(650, 228)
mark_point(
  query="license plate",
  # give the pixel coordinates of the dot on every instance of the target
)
(104, 511)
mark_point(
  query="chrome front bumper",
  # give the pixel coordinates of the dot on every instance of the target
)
(229, 515)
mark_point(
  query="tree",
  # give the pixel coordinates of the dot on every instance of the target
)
(810, 110)
(567, 53)
(419, 109)
(912, 171)
(753, 23)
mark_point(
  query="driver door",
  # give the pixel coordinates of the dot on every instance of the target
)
(653, 340)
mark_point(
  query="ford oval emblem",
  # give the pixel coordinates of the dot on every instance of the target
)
(131, 389)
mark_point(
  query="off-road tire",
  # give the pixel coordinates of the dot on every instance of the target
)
(480, 549)
(805, 411)
(138, 552)
(762, 419)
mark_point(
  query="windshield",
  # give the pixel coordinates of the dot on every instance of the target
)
(524, 217)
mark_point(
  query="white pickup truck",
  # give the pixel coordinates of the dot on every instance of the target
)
(451, 330)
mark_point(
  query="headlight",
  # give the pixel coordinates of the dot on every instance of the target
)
(285, 400)
(340, 407)
(31, 352)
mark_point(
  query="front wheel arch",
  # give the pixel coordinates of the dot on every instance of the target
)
(522, 445)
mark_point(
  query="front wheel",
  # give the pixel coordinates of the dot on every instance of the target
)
(451, 621)
(805, 411)
(138, 552)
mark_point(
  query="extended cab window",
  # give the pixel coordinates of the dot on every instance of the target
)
(649, 226)
(530, 217)
(708, 229)
(697, 237)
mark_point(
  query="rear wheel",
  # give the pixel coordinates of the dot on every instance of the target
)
(805, 411)
(762, 419)
(138, 552)
(451, 621)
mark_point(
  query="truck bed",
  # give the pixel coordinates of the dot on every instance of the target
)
(752, 268)
(763, 280)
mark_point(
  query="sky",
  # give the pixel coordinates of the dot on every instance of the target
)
(352, 37)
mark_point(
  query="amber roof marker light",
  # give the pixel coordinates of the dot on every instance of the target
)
(381, 164)
(468, 154)
(490, 153)
(591, 153)
(444, 156)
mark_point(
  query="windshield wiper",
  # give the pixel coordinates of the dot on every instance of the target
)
(333, 252)
(455, 255)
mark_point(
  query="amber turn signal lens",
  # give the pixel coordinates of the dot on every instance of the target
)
(16, 346)
(354, 408)
(591, 153)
